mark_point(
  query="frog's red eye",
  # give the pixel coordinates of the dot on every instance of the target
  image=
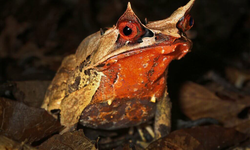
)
(185, 23)
(128, 30)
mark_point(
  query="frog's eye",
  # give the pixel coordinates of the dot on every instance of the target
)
(128, 30)
(185, 23)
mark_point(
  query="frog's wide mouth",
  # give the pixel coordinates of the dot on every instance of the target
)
(178, 49)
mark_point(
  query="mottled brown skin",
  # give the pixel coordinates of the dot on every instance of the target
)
(117, 78)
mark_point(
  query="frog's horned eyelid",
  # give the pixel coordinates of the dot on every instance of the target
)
(174, 18)
(129, 5)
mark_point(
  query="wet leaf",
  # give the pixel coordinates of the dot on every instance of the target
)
(128, 146)
(197, 102)
(164, 144)
(244, 127)
(23, 123)
(199, 138)
(8, 144)
(238, 77)
(68, 141)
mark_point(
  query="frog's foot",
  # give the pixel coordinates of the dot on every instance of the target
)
(142, 144)
(162, 124)
(149, 129)
(147, 135)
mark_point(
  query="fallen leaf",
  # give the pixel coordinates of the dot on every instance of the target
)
(199, 138)
(238, 77)
(69, 140)
(163, 144)
(9, 144)
(22, 123)
(244, 127)
(30, 93)
(128, 146)
(197, 102)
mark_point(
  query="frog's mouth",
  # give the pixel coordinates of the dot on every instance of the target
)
(167, 45)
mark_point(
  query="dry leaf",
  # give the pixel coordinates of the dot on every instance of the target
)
(237, 76)
(23, 123)
(30, 93)
(68, 141)
(197, 102)
(199, 138)
(8, 144)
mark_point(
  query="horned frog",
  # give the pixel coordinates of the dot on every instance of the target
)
(117, 78)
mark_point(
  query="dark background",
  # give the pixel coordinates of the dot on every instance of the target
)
(36, 35)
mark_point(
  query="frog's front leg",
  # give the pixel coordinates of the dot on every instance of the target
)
(57, 89)
(162, 124)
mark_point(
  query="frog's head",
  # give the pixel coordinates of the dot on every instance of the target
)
(129, 34)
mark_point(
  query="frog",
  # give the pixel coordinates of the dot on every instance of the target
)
(117, 77)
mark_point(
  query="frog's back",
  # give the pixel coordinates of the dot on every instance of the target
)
(59, 88)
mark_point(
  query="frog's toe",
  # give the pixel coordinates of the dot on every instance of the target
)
(146, 134)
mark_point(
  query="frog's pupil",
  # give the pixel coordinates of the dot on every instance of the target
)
(127, 31)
